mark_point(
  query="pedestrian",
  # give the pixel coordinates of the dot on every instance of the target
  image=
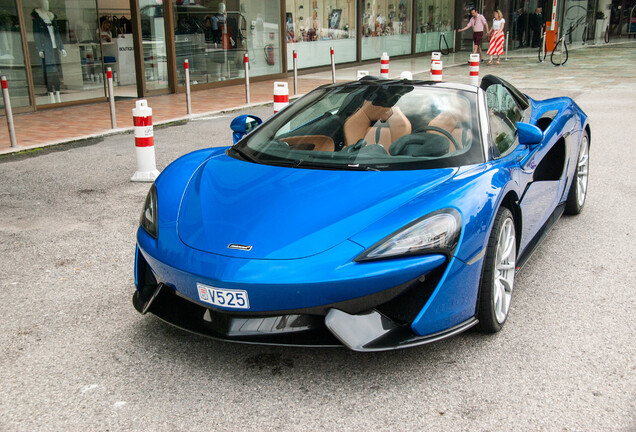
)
(477, 22)
(497, 38)
(536, 25)
(522, 25)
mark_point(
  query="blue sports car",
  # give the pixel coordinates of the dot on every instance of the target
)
(375, 214)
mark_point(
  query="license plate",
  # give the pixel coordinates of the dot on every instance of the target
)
(228, 298)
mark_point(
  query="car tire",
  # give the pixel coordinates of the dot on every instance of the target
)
(578, 190)
(497, 281)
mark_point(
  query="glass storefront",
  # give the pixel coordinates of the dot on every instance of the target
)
(11, 54)
(312, 27)
(386, 27)
(116, 40)
(64, 50)
(153, 35)
(434, 25)
(214, 36)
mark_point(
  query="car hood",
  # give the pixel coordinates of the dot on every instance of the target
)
(288, 213)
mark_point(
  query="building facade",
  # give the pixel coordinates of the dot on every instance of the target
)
(55, 52)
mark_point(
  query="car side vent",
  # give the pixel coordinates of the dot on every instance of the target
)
(404, 308)
(546, 119)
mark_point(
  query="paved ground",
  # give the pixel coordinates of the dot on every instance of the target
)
(75, 355)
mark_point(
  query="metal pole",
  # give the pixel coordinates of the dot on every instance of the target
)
(186, 68)
(454, 40)
(333, 66)
(246, 61)
(507, 34)
(7, 108)
(543, 46)
(111, 98)
(295, 73)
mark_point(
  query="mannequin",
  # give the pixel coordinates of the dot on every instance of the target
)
(48, 43)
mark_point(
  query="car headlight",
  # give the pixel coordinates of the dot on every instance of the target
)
(435, 233)
(148, 218)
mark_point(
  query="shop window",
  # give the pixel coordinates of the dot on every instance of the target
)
(312, 27)
(214, 37)
(386, 27)
(11, 55)
(118, 49)
(434, 25)
(64, 51)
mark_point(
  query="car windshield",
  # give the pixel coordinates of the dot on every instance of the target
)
(371, 125)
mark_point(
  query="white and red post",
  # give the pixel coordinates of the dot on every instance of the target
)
(384, 65)
(436, 55)
(144, 143)
(7, 109)
(111, 98)
(436, 70)
(281, 96)
(186, 69)
(333, 66)
(295, 73)
(474, 70)
(246, 63)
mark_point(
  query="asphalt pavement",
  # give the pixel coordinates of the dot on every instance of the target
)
(75, 355)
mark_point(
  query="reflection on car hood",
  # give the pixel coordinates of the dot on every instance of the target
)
(287, 213)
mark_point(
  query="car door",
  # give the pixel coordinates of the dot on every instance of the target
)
(539, 173)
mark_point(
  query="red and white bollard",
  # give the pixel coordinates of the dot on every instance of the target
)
(186, 69)
(111, 98)
(295, 73)
(474, 69)
(436, 55)
(436, 70)
(281, 96)
(333, 66)
(7, 109)
(384, 65)
(246, 62)
(361, 73)
(406, 75)
(144, 143)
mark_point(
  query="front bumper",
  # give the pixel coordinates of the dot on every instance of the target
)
(367, 331)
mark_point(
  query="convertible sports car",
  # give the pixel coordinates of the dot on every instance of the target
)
(375, 214)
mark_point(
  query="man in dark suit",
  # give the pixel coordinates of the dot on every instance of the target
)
(536, 25)
(522, 27)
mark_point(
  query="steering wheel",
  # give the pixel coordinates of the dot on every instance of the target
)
(397, 149)
(444, 132)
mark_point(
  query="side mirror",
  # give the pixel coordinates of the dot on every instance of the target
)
(242, 125)
(529, 134)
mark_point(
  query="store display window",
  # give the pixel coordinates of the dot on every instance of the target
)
(12, 63)
(312, 27)
(386, 27)
(64, 50)
(116, 40)
(434, 25)
(214, 37)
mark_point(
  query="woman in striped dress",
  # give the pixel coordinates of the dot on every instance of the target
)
(497, 38)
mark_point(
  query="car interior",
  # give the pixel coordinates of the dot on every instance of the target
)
(389, 120)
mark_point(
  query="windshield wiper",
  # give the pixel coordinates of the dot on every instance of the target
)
(244, 155)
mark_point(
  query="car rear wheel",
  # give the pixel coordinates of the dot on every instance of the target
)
(578, 190)
(499, 274)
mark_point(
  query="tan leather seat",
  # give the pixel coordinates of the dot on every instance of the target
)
(362, 124)
(451, 120)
